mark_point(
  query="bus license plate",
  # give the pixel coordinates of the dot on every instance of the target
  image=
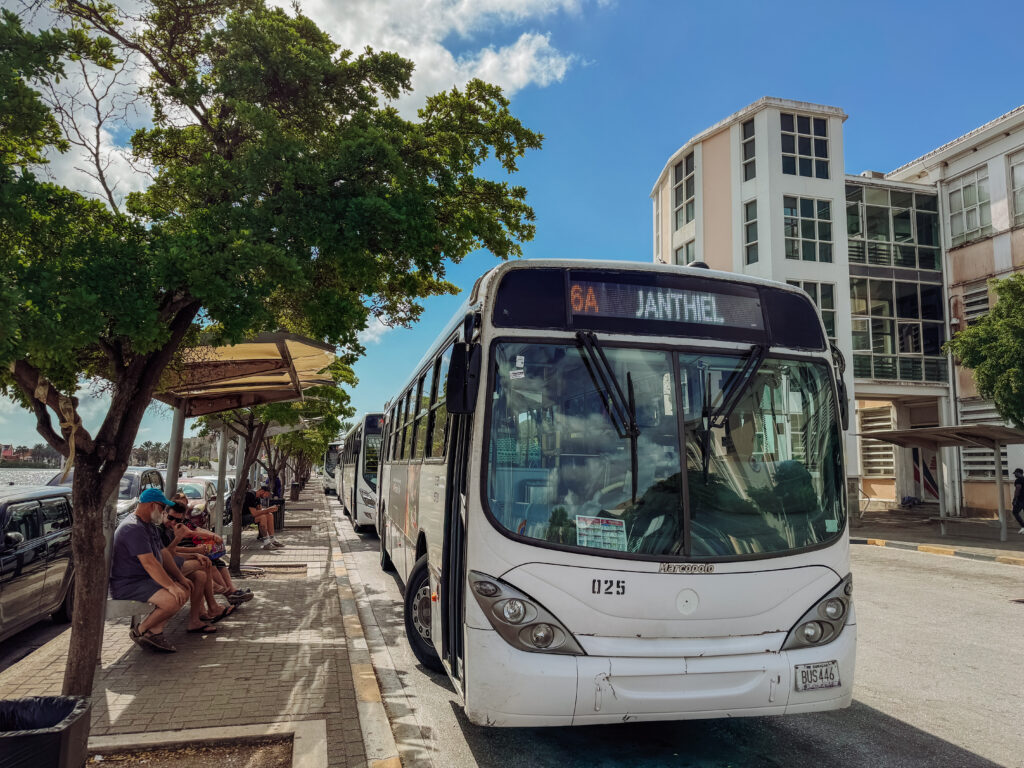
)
(823, 674)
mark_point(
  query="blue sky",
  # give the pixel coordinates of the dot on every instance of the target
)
(616, 87)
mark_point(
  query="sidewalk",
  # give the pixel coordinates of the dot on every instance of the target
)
(283, 656)
(973, 539)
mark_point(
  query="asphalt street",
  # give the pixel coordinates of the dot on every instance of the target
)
(939, 683)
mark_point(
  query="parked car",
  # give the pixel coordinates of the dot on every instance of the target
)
(134, 481)
(225, 497)
(202, 499)
(36, 574)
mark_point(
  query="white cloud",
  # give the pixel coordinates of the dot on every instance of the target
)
(374, 331)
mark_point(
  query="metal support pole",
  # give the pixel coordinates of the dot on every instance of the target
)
(239, 459)
(943, 500)
(174, 451)
(222, 482)
(999, 490)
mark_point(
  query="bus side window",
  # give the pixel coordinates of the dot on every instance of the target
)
(423, 413)
(407, 415)
(439, 413)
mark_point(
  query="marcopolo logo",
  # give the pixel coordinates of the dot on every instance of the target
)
(686, 568)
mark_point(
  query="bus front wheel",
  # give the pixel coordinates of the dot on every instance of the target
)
(385, 558)
(418, 607)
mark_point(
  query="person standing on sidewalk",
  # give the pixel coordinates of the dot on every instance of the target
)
(1018, 497)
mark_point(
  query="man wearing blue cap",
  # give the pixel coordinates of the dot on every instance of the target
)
(142, 570)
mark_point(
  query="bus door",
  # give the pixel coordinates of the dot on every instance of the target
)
(453, 557)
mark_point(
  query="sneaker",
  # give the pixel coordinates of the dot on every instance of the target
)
(268, 544)
(239, 596)
(1021, 531)
(277, 544)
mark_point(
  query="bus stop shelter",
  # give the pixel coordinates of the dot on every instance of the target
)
(271, 368)
(993, 436)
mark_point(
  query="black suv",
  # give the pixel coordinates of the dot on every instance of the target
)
(36, 576)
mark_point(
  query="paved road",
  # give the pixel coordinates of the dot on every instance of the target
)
(939, 683)
(17, 647)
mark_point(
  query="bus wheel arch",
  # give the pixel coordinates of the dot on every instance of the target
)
(382, 534)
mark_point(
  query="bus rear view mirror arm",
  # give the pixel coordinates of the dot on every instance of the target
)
(463, 378)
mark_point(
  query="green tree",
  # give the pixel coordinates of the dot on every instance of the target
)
(993, 348)
(287, 192)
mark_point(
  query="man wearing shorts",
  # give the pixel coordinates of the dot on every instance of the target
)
(140, 569)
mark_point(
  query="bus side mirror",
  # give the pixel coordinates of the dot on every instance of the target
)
(463, 378)
(844, 408)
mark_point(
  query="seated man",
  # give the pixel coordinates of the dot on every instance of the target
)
(141, 569)
(264, 516)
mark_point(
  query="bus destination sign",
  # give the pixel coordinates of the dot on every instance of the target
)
(659, 303)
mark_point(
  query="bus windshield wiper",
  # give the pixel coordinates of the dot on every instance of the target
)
(622, 408)
(730, 398)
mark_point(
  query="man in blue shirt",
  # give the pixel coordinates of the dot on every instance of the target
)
(141, 569)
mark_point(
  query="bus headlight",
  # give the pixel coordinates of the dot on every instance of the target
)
(824, 621)
(519, 619)
(368, 497)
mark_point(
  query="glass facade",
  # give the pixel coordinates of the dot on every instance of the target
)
(890, 228)
(684, 191)
(970, 214)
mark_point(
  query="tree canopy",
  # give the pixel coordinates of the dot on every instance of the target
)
(993, 348)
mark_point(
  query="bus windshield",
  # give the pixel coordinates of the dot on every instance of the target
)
(733, 459)
(331, 459)
(371, 457)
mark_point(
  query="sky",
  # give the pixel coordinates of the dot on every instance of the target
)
(616, 86)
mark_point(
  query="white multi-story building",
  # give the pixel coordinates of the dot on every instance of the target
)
(896, 262)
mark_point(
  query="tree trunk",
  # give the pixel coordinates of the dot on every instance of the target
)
(252, 450)
(90, 499)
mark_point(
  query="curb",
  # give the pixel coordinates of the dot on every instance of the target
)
(934, 549)
(378, 739)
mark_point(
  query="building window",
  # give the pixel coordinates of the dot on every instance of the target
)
(686, 253)
(1017, 187)
(980, 463)
(892, 228)
(750, 231)
(877, 459)
(898, 330)
(807, 225)
(975, 303)
(970, 216)
(804, 145)
(747, 146)
(684, 191)
(824, 297)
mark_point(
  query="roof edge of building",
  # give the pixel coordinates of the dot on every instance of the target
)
(763, 103)
(950, 147)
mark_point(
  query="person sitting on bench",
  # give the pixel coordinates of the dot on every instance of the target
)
(263, 516)
(141, 569)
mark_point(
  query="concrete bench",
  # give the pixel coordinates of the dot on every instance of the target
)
(134, 609)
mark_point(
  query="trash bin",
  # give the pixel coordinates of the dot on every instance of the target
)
(279, 515)
(295, 491)
(44, 731)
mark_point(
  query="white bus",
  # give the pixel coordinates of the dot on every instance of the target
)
(615, 491)
(356, 473)
(331, 456)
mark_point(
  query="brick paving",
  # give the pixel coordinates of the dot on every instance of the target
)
(282, 656)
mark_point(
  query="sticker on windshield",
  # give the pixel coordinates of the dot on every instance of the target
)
(517, 373)
(520, 361)
(831, 526)
(601, 533)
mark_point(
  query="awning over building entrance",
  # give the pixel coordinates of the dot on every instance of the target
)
(993, 436)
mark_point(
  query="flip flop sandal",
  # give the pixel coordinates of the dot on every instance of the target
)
(228, 610)
(135, 635)
(206, 629)
(157, 641)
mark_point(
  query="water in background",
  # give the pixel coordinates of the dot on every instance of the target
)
(25, 476)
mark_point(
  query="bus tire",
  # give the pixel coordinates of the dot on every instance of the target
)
(418, 608)
(385, 559)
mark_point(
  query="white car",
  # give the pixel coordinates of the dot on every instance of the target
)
(133, 482)
(229, 481)
(202, 499)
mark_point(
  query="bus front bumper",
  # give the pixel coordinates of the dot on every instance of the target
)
(513, 688)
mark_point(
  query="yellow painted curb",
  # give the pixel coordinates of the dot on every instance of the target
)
(1010, 560)
(365, 682)
(353, 627)
(935, 550)
(877, 542)
(391, 762)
